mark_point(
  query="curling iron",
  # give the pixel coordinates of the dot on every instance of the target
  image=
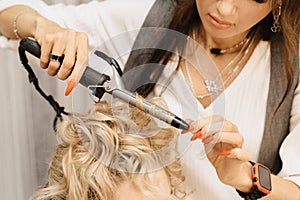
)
(99, 84)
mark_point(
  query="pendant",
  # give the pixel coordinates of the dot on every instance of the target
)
(211, 86)
(216, 51)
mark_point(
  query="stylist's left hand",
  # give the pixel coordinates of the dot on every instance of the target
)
(223, 144)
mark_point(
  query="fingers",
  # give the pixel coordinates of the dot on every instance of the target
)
(74, 46)
(212, 125)
(237, 153)
(69, 60)
(80, 65)
(81, 58)
(234, 139)
(46, 48)
(215, 127)
(54, 64)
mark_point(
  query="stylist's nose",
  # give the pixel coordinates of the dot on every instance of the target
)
(226, 7)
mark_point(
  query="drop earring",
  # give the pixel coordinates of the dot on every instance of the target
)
(276, 16)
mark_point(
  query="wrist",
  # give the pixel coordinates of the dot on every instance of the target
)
(262, 186)
(245, 183)
(25, 29)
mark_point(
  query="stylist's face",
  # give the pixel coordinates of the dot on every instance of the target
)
(230, 18)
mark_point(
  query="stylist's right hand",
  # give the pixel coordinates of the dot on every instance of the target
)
(56, 41)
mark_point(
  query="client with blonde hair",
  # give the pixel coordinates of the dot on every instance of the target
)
(114, 152)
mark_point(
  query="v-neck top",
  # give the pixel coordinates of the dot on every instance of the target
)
(243, 103)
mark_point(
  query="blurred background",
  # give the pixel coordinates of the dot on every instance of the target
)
(27, 139)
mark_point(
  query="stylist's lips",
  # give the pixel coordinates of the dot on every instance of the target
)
(219, 23)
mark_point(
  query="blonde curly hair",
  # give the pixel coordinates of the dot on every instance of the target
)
(107, 147)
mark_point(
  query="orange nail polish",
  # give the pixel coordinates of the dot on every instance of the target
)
(197, 135)
(70, 87)
(225, 153)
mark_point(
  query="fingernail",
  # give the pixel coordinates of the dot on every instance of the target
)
(225, 153)
(70, 87)
(208, 139)
(197, 135)
(191, 128)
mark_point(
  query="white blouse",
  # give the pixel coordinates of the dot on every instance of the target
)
(243, 102)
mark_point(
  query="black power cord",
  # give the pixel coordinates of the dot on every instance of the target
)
(34, 80)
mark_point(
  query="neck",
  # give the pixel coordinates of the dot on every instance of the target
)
(219, 46)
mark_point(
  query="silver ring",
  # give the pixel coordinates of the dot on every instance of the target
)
(54, 57)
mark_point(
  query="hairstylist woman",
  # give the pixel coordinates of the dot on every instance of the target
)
(245, 39)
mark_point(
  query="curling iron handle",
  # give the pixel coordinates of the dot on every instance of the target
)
(31, 46)
(89, 77)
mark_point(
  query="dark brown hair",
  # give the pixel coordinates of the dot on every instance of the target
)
(186, 19)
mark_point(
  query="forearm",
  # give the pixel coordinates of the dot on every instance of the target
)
(283, 189)
(25, 19)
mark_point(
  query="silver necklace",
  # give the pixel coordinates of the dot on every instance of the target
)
(211, 85)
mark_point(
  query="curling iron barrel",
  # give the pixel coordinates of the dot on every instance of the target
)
(91, 77)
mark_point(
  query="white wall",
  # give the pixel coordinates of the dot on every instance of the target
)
(26, 136)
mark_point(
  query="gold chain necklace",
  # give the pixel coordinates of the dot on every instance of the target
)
(211, 85)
